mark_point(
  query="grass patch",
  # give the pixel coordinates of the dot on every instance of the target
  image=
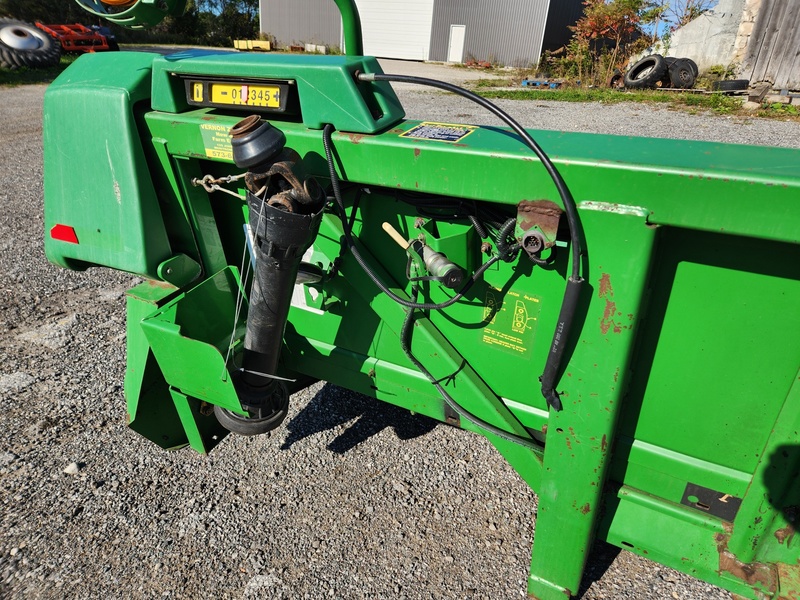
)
(26, 76)
(777, 110)
(491, 83)
(717, 103)
(575, 94)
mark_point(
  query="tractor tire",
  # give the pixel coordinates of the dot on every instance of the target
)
(23, 45)
(693, 66)
(681, 75)
(665, 80)
(616, 81)
(730, 85)
(647, 72)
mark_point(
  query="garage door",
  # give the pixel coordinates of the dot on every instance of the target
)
(396, 29)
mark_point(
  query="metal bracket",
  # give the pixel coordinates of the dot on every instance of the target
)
(451, 417)
(711, 501)
(537, 225)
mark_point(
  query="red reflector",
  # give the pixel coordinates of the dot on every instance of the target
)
(65, 233)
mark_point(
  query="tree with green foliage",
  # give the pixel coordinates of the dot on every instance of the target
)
(609, 22)
(226, 20)
(44, 11)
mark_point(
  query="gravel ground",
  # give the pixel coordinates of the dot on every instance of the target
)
(350, 499)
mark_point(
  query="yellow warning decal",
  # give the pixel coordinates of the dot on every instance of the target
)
(440, 132)
(510, 321)
(216, 141)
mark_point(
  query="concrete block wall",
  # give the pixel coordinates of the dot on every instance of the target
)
(712, 38)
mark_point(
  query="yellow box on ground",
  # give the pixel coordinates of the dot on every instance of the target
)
(247, 45)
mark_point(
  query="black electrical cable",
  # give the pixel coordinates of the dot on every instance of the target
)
(337, 194)
(569, 304)
(479, 228)
(405, 344)
(507, 251)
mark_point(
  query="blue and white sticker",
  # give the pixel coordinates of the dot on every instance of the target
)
(440, 132)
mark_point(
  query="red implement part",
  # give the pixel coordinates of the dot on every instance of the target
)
(76, 37)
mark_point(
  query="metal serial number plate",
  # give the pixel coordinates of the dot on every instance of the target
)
(240, 94)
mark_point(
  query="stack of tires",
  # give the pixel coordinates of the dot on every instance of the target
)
(659, 71)
(23, 45)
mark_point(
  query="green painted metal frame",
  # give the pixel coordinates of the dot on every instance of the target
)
(684, 369)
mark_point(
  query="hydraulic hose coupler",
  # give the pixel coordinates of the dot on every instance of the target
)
(438, 265)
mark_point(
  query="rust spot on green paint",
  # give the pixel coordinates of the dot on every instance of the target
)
(355, 137)
(603, 444)
(417, 152)
(605, 286)
(586, 509)
(607, 322)
(785, 534)
(608, 317)
(753, 574)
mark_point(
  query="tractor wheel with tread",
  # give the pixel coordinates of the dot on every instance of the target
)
(665, 80)
(24, 45)
(681, 74)
(646, 72)
(693, 66)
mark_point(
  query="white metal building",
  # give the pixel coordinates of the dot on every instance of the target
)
(511, 32)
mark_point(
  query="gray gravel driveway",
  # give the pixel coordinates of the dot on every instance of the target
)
(350, 499)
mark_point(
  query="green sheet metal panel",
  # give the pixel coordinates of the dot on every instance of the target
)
(96, 178)
(697, 185)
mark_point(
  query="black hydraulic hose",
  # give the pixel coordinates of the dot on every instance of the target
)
(569, 304)
(405, 344)
(337, 194)
(565, 317)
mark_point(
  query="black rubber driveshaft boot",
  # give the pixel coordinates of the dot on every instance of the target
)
(284, 217)
(281, 238)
